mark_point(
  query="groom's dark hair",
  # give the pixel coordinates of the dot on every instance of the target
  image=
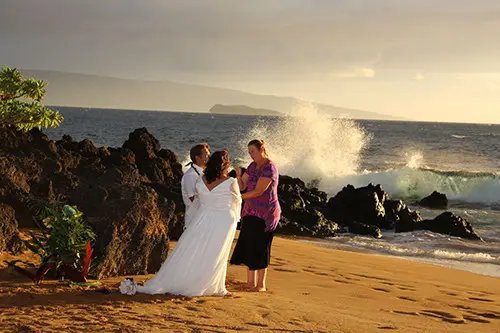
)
(197, 150)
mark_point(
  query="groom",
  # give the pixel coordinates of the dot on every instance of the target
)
(199, 155)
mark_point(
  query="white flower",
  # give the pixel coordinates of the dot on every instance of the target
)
(128, 286)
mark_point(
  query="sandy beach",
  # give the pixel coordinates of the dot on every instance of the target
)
(311, 289)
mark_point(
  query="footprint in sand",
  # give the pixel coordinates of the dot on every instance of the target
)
(444, 316)
(387, 328)
(280, 260)
(257, 324)
(480, 293)
(265, 315)
(342, 281)
(382, 289)
(490, 315)
(350, 278)
(481, 299)
(415, 314)
(285, 270)
(192, 308)
(407, 298)
(370, 277)
(476, 319)
(278, 264)
(449, 293)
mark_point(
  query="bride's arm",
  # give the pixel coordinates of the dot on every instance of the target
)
(236, 204)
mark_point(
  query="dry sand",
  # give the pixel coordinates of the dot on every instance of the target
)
(311, 289)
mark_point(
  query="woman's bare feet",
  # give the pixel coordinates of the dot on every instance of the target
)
(250, 286)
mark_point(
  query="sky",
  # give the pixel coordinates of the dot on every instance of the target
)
(428, 60)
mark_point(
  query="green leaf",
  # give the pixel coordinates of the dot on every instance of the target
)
(20, 102)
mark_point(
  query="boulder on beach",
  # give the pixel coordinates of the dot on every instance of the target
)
(302, 210)
(450, 224)
(436, 201)
(364, 205)
(359, 228)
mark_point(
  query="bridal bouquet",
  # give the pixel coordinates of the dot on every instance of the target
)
(128, 286)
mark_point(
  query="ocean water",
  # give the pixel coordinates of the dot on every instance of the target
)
(409, 159)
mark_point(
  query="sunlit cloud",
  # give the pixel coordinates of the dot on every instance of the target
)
(361, 72)
(419, 76)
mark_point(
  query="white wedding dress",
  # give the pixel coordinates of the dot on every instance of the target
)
(197, 266)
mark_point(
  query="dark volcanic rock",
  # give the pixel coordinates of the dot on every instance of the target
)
(364, 229)
(132, 233)
(408, 220)
(115, 188)
(159, 165)
(449, 224)
(436, 200)
(142, 144)
(8, 228)
(364, 205)
(309, 222)
(302, 210)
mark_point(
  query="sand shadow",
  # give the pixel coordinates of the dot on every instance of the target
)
(371, 277)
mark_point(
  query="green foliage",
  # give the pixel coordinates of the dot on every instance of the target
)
(21, 102)
(63, 238)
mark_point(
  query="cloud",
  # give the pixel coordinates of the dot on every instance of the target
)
(257, 39)
(478, 76)
(360, 72)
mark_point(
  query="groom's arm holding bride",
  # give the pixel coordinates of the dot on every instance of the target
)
(242, 178)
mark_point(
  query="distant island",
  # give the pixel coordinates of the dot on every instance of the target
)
(242, 110)
(93, 91)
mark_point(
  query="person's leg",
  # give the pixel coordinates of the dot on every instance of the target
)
(251, 282)
(261, 279)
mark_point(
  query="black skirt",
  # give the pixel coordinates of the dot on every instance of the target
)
(253, 247)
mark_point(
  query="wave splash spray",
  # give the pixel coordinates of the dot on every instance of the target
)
(311, 145)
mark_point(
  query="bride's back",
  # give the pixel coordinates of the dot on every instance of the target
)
(221, 197)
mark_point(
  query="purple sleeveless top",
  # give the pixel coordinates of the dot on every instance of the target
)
(266, 206)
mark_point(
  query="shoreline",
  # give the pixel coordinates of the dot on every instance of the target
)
(460, 265)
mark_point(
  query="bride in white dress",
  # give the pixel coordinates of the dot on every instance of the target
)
(197, 266)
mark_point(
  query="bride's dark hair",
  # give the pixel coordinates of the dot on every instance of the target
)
(218, 162)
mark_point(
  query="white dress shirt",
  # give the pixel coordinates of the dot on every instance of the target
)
(188, 183)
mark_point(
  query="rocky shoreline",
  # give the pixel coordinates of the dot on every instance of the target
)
(132, 199)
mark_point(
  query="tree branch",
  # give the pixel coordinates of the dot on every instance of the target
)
(19, 96)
